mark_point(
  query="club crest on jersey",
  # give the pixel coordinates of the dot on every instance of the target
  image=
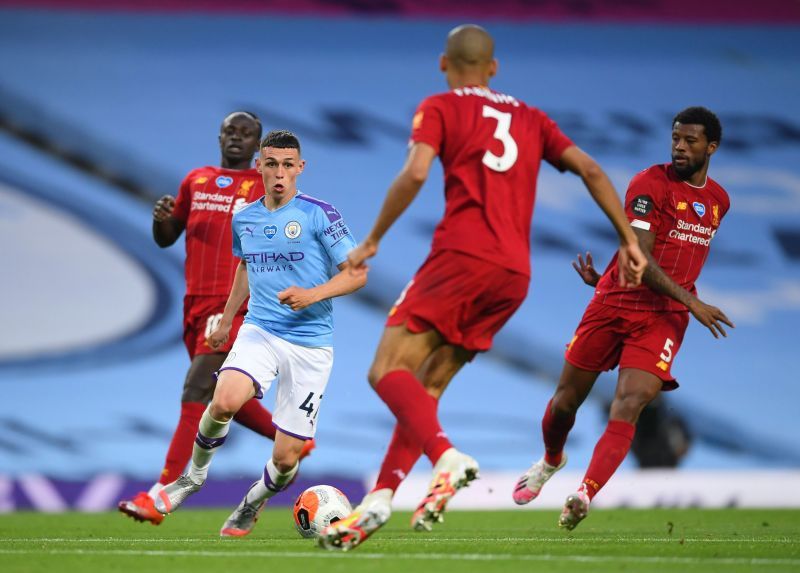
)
(244, 188)
(223, 181)
(292, 230)
(699, 208)
(270, 231)
(715, 215)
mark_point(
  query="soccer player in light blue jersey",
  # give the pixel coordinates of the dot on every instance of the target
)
(288, 244)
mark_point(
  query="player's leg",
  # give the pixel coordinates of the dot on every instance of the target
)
(651, 343)
(635, 389)
(573, 387)
(435, 374)
(279, 473)
(198, 388)
(234, 388)
(304, 373)
(435, 364)
(399, 356)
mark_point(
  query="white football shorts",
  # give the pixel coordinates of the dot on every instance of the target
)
(302, 373)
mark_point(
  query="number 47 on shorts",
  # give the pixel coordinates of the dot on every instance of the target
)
(309, 407)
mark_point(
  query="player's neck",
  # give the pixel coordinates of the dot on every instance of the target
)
(273, 203)
(236, 165)
(465, 80)
(698, 179)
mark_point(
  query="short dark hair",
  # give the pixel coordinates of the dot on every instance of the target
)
(249, 114)
(281, 139)
(701, 116)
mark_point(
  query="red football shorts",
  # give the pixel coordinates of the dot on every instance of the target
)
(609, 335)
(201, 315)
(467, 300)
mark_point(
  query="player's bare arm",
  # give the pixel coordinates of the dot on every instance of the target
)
(654, 277)
(586, 270)
(340, 284)
(631, 260)
(401, 193)
(166, 228)
(240, 290)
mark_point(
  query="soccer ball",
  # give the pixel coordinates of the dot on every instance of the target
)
(318, 507)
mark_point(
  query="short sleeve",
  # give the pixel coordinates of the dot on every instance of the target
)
(184, 199)
(428, 124)
(554, 142)
(335, 235)
(236, 242)
(643, 203)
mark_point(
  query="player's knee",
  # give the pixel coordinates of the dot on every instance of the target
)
(565, 402)
(224, 406)
(374, 375)
(628, 406)
(285, 460)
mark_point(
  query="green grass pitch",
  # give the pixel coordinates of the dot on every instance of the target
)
(685, 540)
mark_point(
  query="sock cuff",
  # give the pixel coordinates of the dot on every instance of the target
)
(211, 428)
(277, 481)
(395, 378)
(194, 408)
(621, 428)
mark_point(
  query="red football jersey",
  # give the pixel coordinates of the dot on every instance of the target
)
(684, 219)
(206, 201)
(491, 146)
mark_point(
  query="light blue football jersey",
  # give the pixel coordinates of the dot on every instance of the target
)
(299, 244)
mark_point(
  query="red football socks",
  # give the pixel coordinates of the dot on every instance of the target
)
(611, 449)
(256, 417)
(555, 429)
(401, 456)
(415, 411)
(180, 448)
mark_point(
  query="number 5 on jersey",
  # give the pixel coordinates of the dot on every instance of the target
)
(502, 132)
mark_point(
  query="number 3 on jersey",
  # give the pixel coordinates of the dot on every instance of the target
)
(503, 133)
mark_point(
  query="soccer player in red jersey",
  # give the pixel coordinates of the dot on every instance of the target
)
(477, 274)
(675, 210)
(206, 200)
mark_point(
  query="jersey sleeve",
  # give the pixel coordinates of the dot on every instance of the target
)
(335, 235)
(554, 142)
(428, 124)
(184, 199)
(643, 203)
(236, 242)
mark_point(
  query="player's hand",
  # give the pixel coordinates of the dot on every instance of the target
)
(357, 258)
(163, 208)
(632, 264)
(219, 336)
(586, 269)
(710, 317)
(297, 298)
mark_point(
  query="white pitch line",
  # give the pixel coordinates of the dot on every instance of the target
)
(560, 539)
(411, 556)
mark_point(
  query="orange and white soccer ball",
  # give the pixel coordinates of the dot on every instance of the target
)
(317, 507)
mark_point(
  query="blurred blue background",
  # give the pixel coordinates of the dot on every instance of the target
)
(103, 112)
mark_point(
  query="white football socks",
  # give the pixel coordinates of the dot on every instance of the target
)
(271, 482)
(211, 435)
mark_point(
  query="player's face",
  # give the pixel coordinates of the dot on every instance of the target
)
(238, 138)
(690, 149)
(279, 169)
